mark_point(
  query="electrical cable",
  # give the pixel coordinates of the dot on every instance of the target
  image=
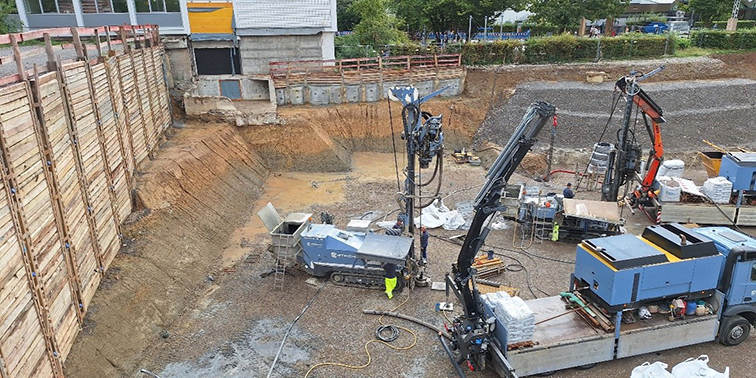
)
(365, 347)
(280, 348)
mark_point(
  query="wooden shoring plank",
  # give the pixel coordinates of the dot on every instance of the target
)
(101, 139)
(120, 67)
(44, 125)
(78, 166)
(136, 61)
(8, 177)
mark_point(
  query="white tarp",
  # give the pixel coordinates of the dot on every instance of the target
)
(438, 215)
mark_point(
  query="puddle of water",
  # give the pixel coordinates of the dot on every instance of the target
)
(248, 354)
(295, 191)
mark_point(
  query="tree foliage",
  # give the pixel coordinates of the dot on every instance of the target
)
(568, 13)
(345, 15)
(377, 26)
(443, 15)
(6, 24)
(710, 10)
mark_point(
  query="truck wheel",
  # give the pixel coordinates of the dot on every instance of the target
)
(734, 331)
(336, 277)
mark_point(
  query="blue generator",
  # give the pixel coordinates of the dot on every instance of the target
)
(666, 261)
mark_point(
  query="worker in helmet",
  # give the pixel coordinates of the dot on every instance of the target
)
(390, 278)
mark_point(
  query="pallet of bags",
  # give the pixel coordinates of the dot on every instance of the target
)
(718, 189)
(514, 313)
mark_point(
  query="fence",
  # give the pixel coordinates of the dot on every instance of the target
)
(72, 133)
(322, 82)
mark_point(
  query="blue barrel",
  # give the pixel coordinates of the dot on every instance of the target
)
(690, 308)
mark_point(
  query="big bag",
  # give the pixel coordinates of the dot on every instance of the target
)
(698, 368)
(648, 370)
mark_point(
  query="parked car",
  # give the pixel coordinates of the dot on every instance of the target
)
(655, 28)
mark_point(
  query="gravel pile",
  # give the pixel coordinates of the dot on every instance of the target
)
(720, 111)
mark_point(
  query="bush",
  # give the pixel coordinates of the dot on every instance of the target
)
(724, 40)
(568, 48)
(682, 43)
(722, 25)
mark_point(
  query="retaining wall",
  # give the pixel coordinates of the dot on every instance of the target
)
(70, 141)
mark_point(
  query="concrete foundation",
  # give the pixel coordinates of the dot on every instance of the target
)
(257, 105)
(326, 94)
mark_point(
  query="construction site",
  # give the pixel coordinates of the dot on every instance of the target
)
(155, 232)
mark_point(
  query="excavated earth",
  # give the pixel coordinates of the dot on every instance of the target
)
(185, 296)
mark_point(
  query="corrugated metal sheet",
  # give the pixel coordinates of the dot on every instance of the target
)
(259, 14)
(747, 216)
(697, 213)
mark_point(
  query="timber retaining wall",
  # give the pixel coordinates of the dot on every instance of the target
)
(71, 137)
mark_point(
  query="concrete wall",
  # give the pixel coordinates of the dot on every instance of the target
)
(252, 88)
(365, 91)
(258, 51)
(180, 58)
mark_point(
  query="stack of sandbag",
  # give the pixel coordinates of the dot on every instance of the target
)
(718, 189)
(514, 314)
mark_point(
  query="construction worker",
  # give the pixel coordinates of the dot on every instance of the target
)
(424, 244)
(390, 278)
(568, 193)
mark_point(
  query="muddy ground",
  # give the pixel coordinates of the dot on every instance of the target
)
(185, 298)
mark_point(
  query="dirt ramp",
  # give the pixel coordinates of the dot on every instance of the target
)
(202, 185)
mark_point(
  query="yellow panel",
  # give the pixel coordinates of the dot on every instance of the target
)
(210, 17)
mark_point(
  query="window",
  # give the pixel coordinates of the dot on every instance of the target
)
(753, 272)
(49, 6)
(120, 6)
(157, 6)
(172, 6)
(33, 6)
(65, 6)
(142, 6)
(217, 61)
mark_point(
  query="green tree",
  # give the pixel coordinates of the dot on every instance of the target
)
(345, 15)
(6, 24)
(710, 10)
(377, 26)
(567, 13)
(444, 15)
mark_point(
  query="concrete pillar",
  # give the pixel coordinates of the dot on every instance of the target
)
(79, 13)
(21, 7)
(132, 12)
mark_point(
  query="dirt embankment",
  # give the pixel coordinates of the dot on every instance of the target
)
(200, 186)
(321, 139)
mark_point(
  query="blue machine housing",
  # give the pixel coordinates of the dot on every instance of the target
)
(326, 249)
(624, 271)
(740, 169)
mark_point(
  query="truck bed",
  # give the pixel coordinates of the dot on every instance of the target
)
(568, 341)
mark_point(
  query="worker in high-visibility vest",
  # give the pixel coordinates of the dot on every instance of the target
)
(390, 278)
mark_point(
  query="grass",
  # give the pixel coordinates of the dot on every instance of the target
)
(698, 51)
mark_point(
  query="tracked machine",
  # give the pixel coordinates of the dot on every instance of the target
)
(355, 256)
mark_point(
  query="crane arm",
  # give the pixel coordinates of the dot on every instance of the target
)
(471, 332)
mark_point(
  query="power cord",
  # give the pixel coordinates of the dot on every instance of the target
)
(379, 339)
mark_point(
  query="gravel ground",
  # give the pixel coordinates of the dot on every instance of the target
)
(694, 110)
(236, 328)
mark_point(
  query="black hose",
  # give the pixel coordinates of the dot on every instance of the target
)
(453, 360)
(409, 318)
(391, 337)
